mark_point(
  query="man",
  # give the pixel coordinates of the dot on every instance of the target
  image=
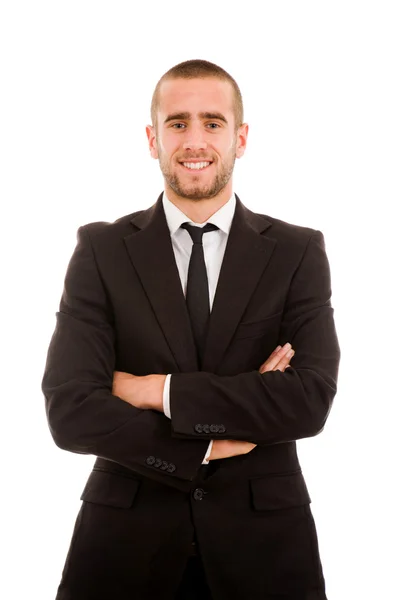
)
(196, 491)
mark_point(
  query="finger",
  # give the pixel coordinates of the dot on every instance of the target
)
(274, 359)
(284, 362)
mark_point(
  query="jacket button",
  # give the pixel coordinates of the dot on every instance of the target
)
(198, 428)
(164, 465)
(171, 468)
(198, 494)
(150, 460)
(221, 428)
(206, 428)
(158, 462)
(214, 428)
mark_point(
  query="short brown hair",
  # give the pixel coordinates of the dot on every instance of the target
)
(193, 69)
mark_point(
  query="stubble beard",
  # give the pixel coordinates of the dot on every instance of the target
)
(198, 192)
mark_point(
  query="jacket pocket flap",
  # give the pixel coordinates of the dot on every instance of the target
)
(110, 489)
(259, 327)
(275, 492)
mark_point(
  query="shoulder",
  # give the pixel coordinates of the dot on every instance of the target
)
(290, 235)
(103, 231)
(269, 226)
(289, 230)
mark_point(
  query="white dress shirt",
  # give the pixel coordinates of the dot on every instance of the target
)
(214, 244)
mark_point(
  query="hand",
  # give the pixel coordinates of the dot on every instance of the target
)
(144, 392)
(229, 448)
(279, 359)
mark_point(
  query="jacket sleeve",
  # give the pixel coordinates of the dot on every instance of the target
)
(83, 415)
(272, 407)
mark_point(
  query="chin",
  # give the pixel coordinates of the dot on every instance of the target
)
(199, 194)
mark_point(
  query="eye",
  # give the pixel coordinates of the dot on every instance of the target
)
(213, 125)
(178, 125)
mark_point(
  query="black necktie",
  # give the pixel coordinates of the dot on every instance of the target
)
(197, 293)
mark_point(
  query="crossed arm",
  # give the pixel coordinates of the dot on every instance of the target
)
(146, 393)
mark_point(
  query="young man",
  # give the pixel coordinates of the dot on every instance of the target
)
(196, 491)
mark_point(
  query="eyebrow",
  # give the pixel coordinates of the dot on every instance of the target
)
(186, 116)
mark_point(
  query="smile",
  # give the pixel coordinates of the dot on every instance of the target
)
(196, 166)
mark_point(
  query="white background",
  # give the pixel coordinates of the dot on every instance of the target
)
(320, 82)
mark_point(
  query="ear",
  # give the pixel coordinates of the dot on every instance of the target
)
(241, 139)
(151, 136)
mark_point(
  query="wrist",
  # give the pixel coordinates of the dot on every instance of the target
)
(157, 383)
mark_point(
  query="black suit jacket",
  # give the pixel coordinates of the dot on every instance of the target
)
(123, 308)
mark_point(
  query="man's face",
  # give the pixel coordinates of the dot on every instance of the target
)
(195, 138)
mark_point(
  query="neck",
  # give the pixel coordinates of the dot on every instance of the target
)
(200, 210)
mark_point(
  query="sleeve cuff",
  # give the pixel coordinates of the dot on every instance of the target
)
(166, 405)
(205, 461)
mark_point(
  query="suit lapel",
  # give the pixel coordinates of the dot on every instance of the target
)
(152, 255)
(246, 256)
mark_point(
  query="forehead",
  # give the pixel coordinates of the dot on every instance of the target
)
(195, 96)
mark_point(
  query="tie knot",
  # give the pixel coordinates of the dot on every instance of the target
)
(196, 233)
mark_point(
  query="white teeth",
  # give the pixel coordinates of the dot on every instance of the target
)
(199, 165)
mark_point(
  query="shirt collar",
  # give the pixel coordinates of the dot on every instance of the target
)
(222, 218)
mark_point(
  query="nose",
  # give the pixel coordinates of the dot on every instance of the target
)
(195, 139)
(195, 145)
